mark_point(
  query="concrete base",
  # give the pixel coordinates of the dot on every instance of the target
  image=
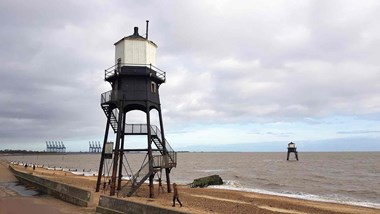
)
(104, 210)
(110, 205)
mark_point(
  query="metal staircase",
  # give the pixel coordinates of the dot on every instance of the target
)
(105, 104)
(168, 152)
(136, 181)
(141, 176)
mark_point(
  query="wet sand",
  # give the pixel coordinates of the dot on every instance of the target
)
(208, 200)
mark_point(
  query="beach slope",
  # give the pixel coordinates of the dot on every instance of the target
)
(209, 200)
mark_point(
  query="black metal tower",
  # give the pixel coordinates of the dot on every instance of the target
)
(292, 149)
(135, 85)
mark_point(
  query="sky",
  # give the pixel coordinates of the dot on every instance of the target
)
(241, 75)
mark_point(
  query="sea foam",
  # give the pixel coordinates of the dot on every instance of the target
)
(234, 185)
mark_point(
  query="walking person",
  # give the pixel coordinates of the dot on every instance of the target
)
(175, 195)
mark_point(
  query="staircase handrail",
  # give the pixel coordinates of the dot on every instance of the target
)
(170, 151)
(168, 147)
(125, 190)
(157, 132)
(115, 115)
(142, 129)
(137, 174)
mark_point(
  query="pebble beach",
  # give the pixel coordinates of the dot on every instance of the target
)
(205, 200)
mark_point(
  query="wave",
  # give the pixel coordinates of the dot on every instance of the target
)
(77, 173)
(362, 192)
(232, 185)
(210, 170)
(89, 174)
(86, 174)
(271, 185)
(262, 179)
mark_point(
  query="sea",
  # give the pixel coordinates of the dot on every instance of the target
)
(340, 177)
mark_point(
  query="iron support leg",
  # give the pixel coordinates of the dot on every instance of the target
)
(116, 156)
(167, 171)
(150, 155)
(121, 154)
(100, 172)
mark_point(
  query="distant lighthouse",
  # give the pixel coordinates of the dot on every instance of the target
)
(292, 149)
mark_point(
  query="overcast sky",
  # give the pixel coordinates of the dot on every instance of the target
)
(238, 72)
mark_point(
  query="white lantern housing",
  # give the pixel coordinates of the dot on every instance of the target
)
(135, 50)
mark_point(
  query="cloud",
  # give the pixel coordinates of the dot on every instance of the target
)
(358, 132)
(227, 62)
(295, 91)
(313, 65)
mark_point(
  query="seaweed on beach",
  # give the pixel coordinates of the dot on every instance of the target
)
(207, 181)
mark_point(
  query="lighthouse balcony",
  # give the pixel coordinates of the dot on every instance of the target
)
(106, 97)
(136, 70)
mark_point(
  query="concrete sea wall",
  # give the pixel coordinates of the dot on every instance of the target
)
(111, 205)
(81, 197)
(62, 191)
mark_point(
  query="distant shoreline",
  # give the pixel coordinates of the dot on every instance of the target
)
(44, 153)
(20, 153)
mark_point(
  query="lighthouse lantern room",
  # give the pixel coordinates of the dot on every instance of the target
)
(135, 50)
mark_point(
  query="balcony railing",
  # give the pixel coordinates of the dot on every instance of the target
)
(163, 161)
(115, 70)
(106, 97)
(141, 129)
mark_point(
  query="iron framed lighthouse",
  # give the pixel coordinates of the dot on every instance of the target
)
(292, 149)
(135, 82)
